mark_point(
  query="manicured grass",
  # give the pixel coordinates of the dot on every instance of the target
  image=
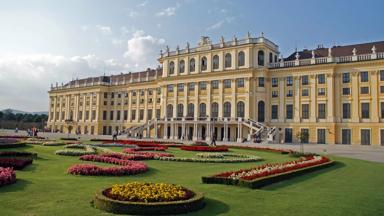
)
(351, 187)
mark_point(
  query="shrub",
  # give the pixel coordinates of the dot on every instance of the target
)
(204, 148)
(7, 176)
(15, 163)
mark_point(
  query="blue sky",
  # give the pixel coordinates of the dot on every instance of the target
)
(44, 42)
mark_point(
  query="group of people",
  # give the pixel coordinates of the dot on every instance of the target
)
(32, 132)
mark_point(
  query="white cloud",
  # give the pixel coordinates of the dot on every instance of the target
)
(104, 29)
(220, 23)
(133, 14)
(25, 80)
(143, 4)
(169, 11)
(143, 50)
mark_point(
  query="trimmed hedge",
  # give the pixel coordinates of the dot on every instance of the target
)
(12, 145)
(69, 138)
(155, 208)
(17, 154)
(264, 181)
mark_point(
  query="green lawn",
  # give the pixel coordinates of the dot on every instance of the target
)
(351, 187)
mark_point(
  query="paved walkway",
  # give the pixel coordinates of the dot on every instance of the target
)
(368, 153)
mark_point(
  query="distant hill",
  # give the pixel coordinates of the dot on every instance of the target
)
(14, 111)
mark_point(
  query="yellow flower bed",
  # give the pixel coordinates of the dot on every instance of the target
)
(148, 192)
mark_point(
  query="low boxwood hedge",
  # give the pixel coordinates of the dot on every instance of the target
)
(155, 208)
(261, 182)
(11, 145)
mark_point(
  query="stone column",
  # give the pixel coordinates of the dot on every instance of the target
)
(374, 94)
(330, 96)
(313, 103)
(297, 106)
(355, 106)
(281, 99)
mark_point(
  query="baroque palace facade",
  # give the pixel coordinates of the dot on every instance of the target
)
(233, 91)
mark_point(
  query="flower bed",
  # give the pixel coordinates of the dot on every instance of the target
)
(134, 167)
(269, 173)
(72, 150)
(113, 145)
(205, 148)
(267, 149)
(15, 163)
(149, 149)
(148, 199)
(112, 159)
(17, 154)
(211, 158)
(129, 156)
(10, 143)
(7, 176)
(149, 155)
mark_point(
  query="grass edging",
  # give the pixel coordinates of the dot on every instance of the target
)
(261, 182)
(155, 208)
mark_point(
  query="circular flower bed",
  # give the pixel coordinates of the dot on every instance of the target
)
(73, 150)
(7, 176)
(204, 148)
(148, 199)
(213, 158)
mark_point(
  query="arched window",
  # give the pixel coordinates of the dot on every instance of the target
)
(215, 62)
(241, 59)
(228, 60)
(260, 58)
(191, 110)
(171, 67)
(192, 65)
(204, 63)
(169, 111)
(260, 111)
(202, 110)
(182, 66)
(240, 109)
(270, 57)
(180, 110)
(215, 110)
(227, 109)
(275, 58)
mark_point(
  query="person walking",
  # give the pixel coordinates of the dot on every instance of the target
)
(114, 136)
(213, 143)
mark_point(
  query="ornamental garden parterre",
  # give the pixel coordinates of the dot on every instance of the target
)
(129, 158)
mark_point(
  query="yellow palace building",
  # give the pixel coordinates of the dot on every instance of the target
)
(235, 90)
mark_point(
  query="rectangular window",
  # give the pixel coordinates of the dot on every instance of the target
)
(80, 115)
(158, 113)
(305, 92)
(118, 95)
(290, 93)
(142, 92)
(305, 111)
(141, 114)
(150, 92)
(382, 89)
(93, 114)
(289, 81)
(304, 80)
(346, 136)
(364, 76)
(321, 91)
(382, 109)
(321, 136)
(104, 115)
(288, 135)
(215, 84)
(202, 85)
(105, 95)
(170, 88)
(112, 95)
(118, 115)
(321, 111)
(191, 86)
(125, 115)
(111, 115)
(134, 93)
(275, 94)
(240, 82)
(382, 137)
(261, 81)
(364, 110)
(275, 82)
(346, 91)
(227, 83)
(305, 135)
(346, 110)
(149, 114)
(364, 90)
(346, 78)
(365, 136)
(289, 111)
(133, 114)
(275, 111)
(180, 87)
(321, 78)
(382, 75)
(86, 115)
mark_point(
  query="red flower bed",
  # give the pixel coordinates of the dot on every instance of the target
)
(15, 163)
(205, 148)
(127, 157)
(149, 149)
(148, 155)
(276, 168)
(7, 176)
(134, 167)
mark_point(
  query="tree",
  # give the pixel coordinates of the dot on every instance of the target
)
(302, 137)
(1, 115)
